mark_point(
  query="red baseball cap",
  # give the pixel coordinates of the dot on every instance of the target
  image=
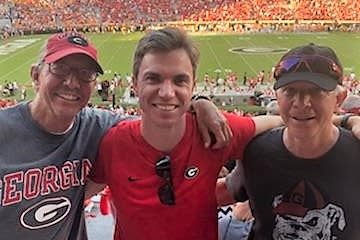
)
(60, 45)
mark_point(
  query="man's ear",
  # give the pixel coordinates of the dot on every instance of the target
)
(276, 94)
(340, 97)
(194, 85)
(34, 73)
(134, 82)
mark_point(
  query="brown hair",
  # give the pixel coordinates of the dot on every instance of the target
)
(165, 40)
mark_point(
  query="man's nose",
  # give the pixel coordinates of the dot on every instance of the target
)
(72, 80)
(303, 98)
(166, 89)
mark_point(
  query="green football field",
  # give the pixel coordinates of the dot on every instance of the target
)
(251, 52)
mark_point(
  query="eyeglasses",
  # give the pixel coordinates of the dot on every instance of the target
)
(166, 193)
(308, 63)
(63, 70)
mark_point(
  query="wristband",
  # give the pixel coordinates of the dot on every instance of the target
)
(345, 119)
(197, 97)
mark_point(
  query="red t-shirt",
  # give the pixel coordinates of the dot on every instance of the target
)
(126, 162)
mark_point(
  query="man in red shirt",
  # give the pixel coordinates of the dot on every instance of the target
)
(161, 176)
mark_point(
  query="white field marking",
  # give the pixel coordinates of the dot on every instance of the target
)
(15, 45)
(242, 57)
(215, 57)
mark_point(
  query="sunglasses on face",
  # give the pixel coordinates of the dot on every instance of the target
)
(308, 63)
(63, 70)
(165, 192)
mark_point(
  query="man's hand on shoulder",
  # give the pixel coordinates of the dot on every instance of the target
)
(213, 126)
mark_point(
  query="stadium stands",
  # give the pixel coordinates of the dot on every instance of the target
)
(42, 16)
(96, 15)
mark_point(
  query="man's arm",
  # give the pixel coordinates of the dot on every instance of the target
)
(242, 211)
(213, 126)
(231, 188)
(223, 195)
(266, 122)
(350, 122)
(354, 125)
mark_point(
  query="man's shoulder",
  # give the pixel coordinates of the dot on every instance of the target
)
(274, 132)
(240, 125)
(125, 128)
(232, 118)
(88, 112)
(347, 137)
(122, 136)
(13, 111)
(271, 137)
(103, 118)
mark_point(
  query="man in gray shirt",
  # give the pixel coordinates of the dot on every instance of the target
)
(48, 145)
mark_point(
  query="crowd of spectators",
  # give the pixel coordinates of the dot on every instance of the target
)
(122, 15)
(6, 102)
(228, 83)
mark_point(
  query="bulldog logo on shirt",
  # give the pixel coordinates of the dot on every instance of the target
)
(304, 213)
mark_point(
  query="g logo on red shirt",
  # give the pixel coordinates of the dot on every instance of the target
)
(191, 172)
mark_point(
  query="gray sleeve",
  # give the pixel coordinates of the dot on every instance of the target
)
(235, 183)
(106, 119)
(116, 118)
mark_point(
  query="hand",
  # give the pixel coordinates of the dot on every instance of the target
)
(213, 126)
(354, 124)
(242, 211)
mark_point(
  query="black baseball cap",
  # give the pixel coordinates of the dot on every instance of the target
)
(312, 63)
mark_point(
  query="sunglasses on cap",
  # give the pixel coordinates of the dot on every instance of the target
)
(308, 63)
(165, 192)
